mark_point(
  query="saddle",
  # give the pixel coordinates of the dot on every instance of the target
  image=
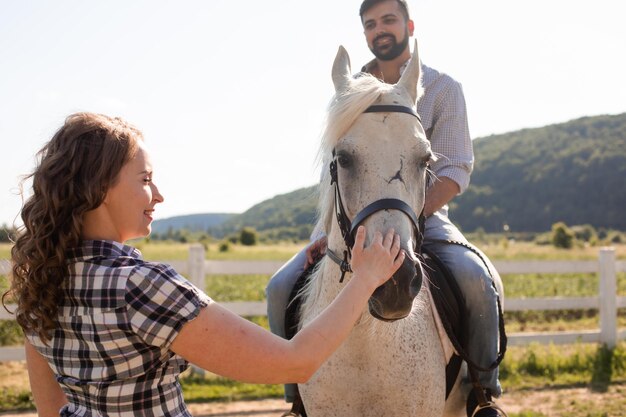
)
(447, 298)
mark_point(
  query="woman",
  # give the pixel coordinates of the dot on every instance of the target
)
(108, 333)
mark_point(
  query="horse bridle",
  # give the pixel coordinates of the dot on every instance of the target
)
(348, 227)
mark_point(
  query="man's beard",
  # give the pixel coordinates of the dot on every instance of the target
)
(395, 50)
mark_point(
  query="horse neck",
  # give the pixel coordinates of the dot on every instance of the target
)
(327, 286)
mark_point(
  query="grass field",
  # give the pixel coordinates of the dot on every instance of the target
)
(166, 251)
(501, 251)
(525, 369)
(525, 372)
(178, 251)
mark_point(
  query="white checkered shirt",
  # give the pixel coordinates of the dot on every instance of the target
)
(118, 317)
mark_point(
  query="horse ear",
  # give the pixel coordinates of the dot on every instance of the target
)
(341, 70)
(410, 78)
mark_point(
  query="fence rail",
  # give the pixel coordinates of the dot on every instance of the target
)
(607, 302)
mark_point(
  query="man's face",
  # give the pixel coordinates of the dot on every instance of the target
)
(386, 31)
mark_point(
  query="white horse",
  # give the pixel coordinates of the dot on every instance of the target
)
(393, 363)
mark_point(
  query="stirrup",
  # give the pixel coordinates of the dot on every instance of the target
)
(297, 408)
(489, 404)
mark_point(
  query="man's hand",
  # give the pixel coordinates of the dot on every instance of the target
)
(315, 251)
(439, 194)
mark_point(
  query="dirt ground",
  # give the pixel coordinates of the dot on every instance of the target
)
(260, 408)
(553, 403)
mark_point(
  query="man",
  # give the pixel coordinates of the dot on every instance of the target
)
(387, 28)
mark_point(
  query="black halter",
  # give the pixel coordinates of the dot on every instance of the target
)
(348, 227)
(391, 108)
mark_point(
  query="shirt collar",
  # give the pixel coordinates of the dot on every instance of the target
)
(90, 249)
(371, 66)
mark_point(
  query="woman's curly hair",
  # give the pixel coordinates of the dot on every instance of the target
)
(73, 173)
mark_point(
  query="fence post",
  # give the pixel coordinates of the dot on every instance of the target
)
(608, 298)
(196, 265)
(196, 276)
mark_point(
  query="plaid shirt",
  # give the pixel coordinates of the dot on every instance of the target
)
(118, 316)
(444, 118)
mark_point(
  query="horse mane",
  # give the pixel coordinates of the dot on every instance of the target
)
(343, 111)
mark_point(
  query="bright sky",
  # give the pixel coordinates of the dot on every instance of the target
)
(231, 95)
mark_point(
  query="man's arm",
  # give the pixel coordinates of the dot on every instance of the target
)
(450, 141)
(439, 194)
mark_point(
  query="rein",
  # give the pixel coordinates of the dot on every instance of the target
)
(348, 227)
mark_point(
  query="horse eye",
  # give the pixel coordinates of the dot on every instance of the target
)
(343, 160)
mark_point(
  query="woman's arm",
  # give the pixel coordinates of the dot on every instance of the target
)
(226, 344)
(48, 396)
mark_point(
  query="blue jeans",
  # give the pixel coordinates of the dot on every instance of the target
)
(481, 297)
(472, 277)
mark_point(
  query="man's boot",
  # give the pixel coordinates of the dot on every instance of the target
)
(484, 408)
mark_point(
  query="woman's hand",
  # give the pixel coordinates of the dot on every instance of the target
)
(377, 262)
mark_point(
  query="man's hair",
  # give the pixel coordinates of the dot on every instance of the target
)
(368, 4)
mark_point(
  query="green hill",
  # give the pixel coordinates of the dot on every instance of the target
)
(287, 216)
(573, 172)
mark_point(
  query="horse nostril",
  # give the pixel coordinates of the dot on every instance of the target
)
(416, 282)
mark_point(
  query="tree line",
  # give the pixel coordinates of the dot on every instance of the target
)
(523, 181)
(572, 172)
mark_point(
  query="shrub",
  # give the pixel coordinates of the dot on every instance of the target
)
(248, 236)
(616, 238)
(585, 232)
(7, 233)
(562, 236)
(10, 333)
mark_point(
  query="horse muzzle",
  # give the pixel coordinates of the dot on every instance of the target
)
(394, 299)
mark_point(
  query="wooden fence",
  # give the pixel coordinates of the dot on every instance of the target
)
(607, 301)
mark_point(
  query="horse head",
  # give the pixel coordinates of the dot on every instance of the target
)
(378, 156)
